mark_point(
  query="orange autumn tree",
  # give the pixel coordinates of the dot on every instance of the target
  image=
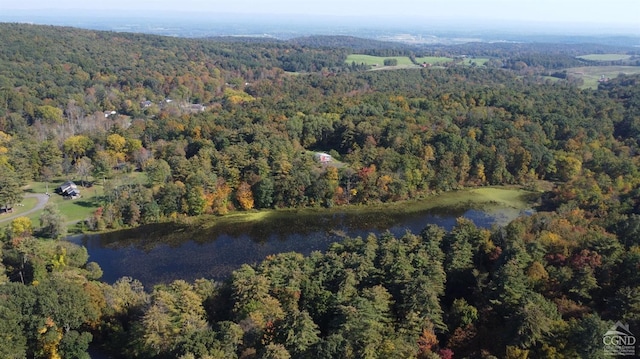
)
(220, 203)
(244, 196)
(427, 342)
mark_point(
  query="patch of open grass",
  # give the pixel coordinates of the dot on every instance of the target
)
(404, 61)
(478, 61)
(433, 60)
(605, 57)
(73, 210)
(26, 204)
(508, 197)
(378, 60)
(22, 207)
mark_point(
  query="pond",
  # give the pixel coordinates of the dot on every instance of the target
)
(161, 253)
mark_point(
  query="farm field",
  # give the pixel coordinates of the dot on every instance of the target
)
(479, 61)
(605, 57)
(378, 60)
(404, 61)
(591, 74)
(433, 60)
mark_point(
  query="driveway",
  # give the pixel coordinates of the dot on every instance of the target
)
(42, 201)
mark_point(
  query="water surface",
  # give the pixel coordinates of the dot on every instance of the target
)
(161, 253)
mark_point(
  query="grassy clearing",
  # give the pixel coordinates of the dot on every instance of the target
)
(551, 79)
(605, 57)
(73, 210)
(507, 197)
(478, 61)
(404, 62)
(76, 210)
(377, 60)
(591, 74)
(433, 60)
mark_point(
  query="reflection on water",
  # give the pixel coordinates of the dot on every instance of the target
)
(161, 253)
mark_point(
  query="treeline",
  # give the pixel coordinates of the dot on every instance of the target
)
(349, 42)
(104, 71)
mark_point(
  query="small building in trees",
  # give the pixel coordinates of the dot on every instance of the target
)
(69, 190)
(6, 209)
(322, 157)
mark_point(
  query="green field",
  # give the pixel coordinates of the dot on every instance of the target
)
(592, 74)
(479, 61)
(433, 60)
(404, 61)
(378, 60)
(605, 57)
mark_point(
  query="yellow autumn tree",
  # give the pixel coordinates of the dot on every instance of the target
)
(244, 196)
(116, 146)
(21, 227)
(77, 146)
(568, 166)
(220, 203)
(4, 142)
(480, 173)
(537, 272)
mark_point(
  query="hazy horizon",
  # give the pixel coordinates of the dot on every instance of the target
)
(438, 22)
(613, 16)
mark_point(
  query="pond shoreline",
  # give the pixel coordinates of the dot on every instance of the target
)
(502, 197)
(163, 252)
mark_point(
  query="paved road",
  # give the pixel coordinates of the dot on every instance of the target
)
(42, 200)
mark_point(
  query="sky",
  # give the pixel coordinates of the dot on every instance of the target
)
(616, 13)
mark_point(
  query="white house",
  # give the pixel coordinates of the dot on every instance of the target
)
(322, 157)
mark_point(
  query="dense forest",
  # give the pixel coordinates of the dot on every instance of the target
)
(230, 126)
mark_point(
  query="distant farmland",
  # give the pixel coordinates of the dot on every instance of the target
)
(605, 57)
(479, 61)
(378, 60)
(433, 60)
(404, 61)
(591, 74)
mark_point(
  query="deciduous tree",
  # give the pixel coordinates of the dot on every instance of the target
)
(52, 222)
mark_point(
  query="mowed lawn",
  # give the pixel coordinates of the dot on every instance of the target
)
(73, 210)
(605, 57)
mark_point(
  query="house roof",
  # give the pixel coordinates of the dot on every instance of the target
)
(68, 184)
